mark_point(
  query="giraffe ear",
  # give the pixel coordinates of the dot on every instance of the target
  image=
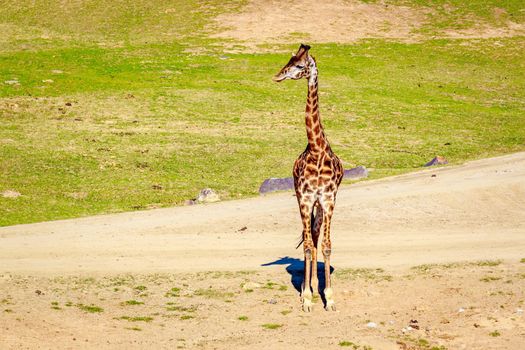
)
(302, 50)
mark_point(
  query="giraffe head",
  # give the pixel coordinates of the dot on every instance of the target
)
(297, 67)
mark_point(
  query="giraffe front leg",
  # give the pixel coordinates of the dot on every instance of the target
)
(306, 291)
(327, 251)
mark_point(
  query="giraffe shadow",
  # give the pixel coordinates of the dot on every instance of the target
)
(295, 268)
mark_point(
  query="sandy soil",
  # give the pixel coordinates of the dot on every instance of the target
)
(470, 213)
(340, 21)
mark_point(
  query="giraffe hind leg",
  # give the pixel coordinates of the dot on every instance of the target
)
(316, 222)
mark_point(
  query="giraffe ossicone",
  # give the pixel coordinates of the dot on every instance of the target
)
(317, 174)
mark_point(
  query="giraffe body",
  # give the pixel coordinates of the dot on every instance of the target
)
(317, 173)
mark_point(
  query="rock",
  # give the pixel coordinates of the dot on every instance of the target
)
(283, 184)
(207, 195)
(519, 311)
(356, 173)
(244, 228)
(439, 160)
(11, 194)
(272, 301)
(251, 285)
(371, 325)
(413, 324)
(460, 310)
(276, 184)
(190, 202)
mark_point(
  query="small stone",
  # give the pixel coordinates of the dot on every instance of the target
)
(207, 195)
(68, 104)
(519, 311)
(251, 285)
(371, 325)
(244, 228)
(189, 202)
(48, 81)
(12, 82)
(460, 310)
(272, 301)
(11, 194)
(438, 160)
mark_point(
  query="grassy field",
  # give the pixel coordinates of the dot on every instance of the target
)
(110, 107)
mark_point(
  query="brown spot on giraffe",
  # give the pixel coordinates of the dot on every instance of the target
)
(317, 173)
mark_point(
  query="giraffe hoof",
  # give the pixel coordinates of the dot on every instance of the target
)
(307, 305)
(330, 305)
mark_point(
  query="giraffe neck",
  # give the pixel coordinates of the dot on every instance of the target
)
(314, 129)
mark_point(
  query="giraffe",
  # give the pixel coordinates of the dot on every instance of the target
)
(317, 175)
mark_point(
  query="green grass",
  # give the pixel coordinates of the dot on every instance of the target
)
(137, 118)
(137, 318)
(173, 293)
(133, 302)
(211, 293)
(181, 308)
(489, 279)
(427, 268)
(90, 308)
(242, 318)
(271, 326)
(495, 334)
(363, 273)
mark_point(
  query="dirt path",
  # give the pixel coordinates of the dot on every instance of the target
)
(475, 211)
(189, 278)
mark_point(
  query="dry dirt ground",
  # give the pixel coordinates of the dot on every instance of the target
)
(341, 21)
(226, 275)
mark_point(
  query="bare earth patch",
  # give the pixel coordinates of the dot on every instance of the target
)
(338, 21)
(335, 21)
(454, 306)
(485, 31)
